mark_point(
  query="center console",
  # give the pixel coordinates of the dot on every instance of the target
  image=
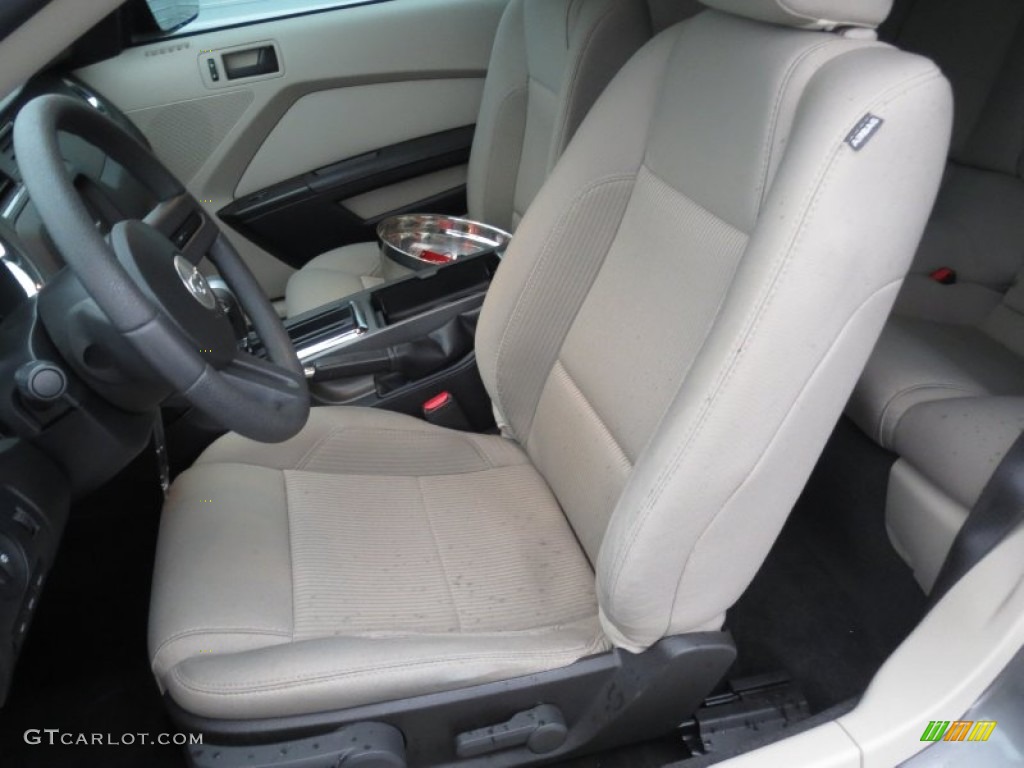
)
(398, 344)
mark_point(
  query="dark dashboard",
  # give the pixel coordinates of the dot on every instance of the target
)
(35, 489)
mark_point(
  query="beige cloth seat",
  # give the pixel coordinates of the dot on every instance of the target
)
(668, 343)
(920, 361)
(967, 338)
(367, 555)
(551, 60)
(944, 387)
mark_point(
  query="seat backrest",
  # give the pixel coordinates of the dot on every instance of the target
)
(551, 60)
(693, 293)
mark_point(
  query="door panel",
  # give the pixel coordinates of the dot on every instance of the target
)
(313, 203)
(348, 82)
(324, 127)
(405, 194)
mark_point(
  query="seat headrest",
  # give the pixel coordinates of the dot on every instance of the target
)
(809, 14)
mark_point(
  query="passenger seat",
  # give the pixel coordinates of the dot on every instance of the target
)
(944, 388)
(551, 60)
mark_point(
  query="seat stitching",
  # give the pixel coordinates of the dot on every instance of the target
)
(787, 79)
(885, 430)
(515, 176)
(308, 455)
(645, 168)
(742, 484)
(272, 685)
(952, 386)
(219, 631)
(562, 136)
(440, 555)
(559, 363)
(538, 82)
(488, 464)
(538, 631)
(291, 547)
(752, 324)
(487, 457)
(713, 318)
(824, 176)
(492, 152)
(546, 251)
(531, 632)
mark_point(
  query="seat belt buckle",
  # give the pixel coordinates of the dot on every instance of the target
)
(944, 276)
(444, 411)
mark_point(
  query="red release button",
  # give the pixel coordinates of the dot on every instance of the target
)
(437, 402)
(944, 275)
(434, 257)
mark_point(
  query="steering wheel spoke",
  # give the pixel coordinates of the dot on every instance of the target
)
(271, 383)
(183, 221)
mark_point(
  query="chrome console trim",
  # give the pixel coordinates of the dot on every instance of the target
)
(332, 343)
(16, 203)
(29, 284)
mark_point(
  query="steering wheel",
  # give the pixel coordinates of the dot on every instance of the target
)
(150, 289)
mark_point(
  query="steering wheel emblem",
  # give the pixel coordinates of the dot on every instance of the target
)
(195, 282)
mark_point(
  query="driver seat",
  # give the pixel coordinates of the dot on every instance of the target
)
(668, 343)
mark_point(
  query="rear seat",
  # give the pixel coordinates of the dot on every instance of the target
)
(945, 386)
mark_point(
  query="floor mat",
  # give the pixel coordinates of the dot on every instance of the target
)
(833, 598)
(84, 668)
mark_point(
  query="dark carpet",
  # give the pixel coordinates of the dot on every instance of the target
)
(833, 598)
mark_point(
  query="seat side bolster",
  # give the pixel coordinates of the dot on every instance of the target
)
(337, 672)
(501, 124)
(609, 145)
(211, 518)
(601, 42)
(815, 226)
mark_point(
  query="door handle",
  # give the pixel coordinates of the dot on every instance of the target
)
(251, 62)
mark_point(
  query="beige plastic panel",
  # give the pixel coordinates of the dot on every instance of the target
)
(938, 673)
(391, 198)
(922, 521)
(324, 127)
(433, 51)
(827, 746)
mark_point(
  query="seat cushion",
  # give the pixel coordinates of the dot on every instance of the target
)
(958, 443)
(917, 361)
(370, 558)
(332, 275)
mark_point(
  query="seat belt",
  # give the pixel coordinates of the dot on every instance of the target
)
(995, 515)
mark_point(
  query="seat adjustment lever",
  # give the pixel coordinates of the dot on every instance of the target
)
(541, 730)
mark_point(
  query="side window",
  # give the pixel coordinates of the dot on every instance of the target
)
(183, 17)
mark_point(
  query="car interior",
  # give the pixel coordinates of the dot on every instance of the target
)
(707, 450)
